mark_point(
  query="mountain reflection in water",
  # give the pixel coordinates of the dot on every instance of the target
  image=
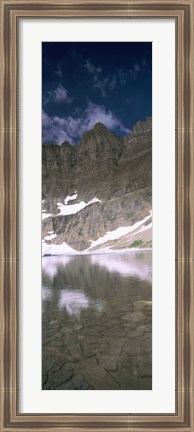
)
(97, 321)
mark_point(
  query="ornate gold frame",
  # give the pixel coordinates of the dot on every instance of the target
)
(182, 12)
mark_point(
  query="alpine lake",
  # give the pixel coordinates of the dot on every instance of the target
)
(97, 321)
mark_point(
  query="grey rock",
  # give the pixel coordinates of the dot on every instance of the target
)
(75, 352)
(116, 342)
(134, 317)
(118, 332)
(99, 379)
(60, 377)
(108, 362)
(141, 304)
(118, 171)
(81, 338)
(134, 334)
(125, 378)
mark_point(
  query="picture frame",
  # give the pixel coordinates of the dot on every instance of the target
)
(11, 12)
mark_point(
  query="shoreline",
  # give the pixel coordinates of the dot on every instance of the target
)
(100, 252)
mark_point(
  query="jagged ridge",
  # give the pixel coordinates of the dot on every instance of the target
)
(118, 171)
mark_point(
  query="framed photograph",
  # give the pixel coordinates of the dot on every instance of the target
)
(97, 133)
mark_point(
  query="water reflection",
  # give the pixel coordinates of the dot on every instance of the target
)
(134, 263)
(96, 321)
(46, 293)
(73, 301)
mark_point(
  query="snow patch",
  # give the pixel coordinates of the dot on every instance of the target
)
(74, 208)
(50, 237)
(70, 197)
(145, 228)
(119, 232)
(45, 215)
(64, 249)
(61, 249)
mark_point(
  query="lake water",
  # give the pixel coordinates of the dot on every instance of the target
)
(97, 321)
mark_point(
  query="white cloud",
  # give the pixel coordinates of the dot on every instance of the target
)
(129, 99)
(58, 129)
(100, 83)
(122, 75)
(95, 113)
(136, 67)
(45, 120)
(52, 130)
(133, 72)
(58, 71)
(58, 95)
(113, 82)
(93, 70)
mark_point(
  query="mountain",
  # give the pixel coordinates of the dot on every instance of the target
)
(101, 184)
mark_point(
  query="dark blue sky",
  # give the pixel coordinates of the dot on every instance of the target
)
(88, 82)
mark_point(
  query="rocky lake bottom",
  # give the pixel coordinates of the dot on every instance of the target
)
(97, 322)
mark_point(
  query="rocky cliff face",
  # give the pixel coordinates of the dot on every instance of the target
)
(116, 171)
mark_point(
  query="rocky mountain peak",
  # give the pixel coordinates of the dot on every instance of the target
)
(142, 127)
(99, 130)
(112, 173)
(100, 126)
(66, 144)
